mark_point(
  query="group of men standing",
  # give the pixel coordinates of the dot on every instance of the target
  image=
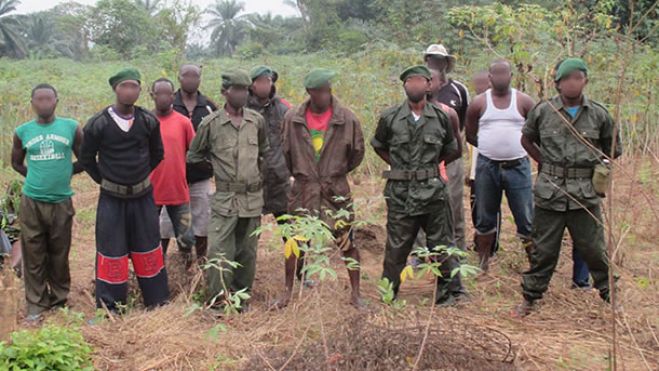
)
(154, 169)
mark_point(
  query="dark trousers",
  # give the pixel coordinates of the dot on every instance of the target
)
(128, 229)
(588, 238)
(46, 242)
(402, 230)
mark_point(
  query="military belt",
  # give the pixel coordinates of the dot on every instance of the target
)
(410, 174)
(567, 172)
(125, 190)
(239, 187)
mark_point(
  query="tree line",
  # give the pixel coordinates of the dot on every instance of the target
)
(116, 29)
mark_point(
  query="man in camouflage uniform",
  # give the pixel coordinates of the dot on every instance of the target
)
(413, 138)
(568, 135)
(235, 141)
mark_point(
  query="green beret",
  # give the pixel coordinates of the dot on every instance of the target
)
(259, 71)
(570, 65)
(124, 75)
(236, 77)
(318, 77)
(419, 70)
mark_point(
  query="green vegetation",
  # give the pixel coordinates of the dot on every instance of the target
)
(52, 347)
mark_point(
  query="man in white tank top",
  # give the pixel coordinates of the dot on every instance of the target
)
(494, 124)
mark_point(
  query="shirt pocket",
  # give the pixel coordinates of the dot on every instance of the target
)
(551, 142)
(432, 148)
(544, 189)
(585, 151)
(399, 149)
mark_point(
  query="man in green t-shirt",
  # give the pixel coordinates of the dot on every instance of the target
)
(42, 154)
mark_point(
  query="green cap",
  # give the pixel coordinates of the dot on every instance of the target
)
(419, 70)
(124, 75)
(236, 77)
(318, 77)
(570, 65)
(259, 71)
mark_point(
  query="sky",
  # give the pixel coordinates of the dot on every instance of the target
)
(251, 6)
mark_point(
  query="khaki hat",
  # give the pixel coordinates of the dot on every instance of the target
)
(439, 51)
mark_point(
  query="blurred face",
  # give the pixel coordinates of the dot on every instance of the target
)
(236, 96)
(128, 92)
(436, 62)
(500, 76)
(189, 78)
(44, 102)
(262, 86)
(321, 97)
(163, 96)
(416, 88)
(572, 85)
(481, 83)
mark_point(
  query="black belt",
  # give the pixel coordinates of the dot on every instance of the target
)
(507, 164)
(239, 187)
(125, 190)
(567, 172)
(410, 174)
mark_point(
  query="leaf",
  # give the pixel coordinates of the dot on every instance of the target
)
(300, 238)
(290, 247)
(408, 271)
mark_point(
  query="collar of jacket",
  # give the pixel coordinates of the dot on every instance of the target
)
(226, 119)
(202, 100)
(405, 111)
(558, 102)
(337, 115)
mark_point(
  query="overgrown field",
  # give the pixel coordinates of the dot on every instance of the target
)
(367, 83)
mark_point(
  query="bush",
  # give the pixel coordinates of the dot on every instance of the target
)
(50, 348)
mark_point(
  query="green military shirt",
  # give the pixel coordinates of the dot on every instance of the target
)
(561, 147)
(236, 154)
(414, 145)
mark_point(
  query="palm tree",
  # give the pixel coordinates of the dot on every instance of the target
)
(229, 27)
(43, 39)
(11, 43)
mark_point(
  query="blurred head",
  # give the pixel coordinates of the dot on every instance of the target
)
(571, 77)
(481, 82)
(321, 97)
(572, 84)
(262, 86)
(44, 100)
(128, 92)
(235, 95)
(416, 87)
(501, 75)
(162, 92)
(437, 80)
(189, 77)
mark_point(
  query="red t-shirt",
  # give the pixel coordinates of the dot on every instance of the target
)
(317, 124)
(169, 184)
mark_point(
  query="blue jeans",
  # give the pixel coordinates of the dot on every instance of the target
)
(181, 221)
(580, 273)
(492, 179)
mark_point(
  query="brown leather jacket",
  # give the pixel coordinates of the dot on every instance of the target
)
(323, 184)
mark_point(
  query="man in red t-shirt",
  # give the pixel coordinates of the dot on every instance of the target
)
(170, 188)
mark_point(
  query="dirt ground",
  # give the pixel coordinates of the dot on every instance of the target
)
(570, 330)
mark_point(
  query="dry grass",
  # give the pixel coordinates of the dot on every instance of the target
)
(319, 330)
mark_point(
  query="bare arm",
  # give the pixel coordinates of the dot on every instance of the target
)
(18, 156)
(471, 120)
(384, 155)
(532, 149)
(77, 143)
(524, 104)
(455, 125)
